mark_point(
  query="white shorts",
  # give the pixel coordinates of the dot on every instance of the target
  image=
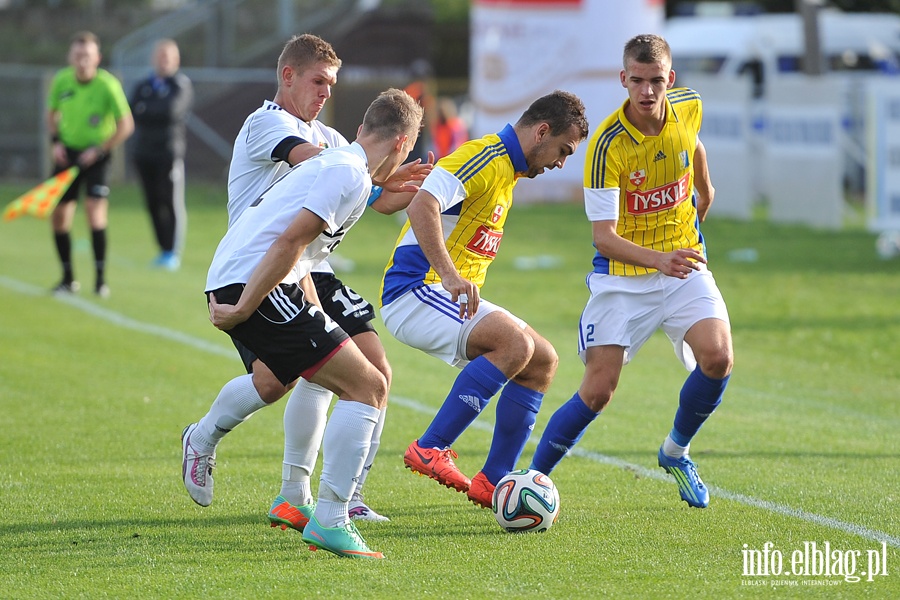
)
(426, 318)
(626, 311)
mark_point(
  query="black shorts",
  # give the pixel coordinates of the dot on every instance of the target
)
(291, 336)
(347, 308)
(93, 178)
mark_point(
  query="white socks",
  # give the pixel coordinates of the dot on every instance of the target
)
(348, 437)
(373, 450)
(304, 425)
(673, 450)
(236, 402)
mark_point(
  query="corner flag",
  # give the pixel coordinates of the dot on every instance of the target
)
(40, 200)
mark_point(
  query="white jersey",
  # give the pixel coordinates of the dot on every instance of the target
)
(252, 167)
(334, 185)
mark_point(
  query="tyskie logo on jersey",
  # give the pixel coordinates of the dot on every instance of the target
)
(485, 241)
(657, 199)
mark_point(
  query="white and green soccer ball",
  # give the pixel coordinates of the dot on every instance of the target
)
(526, 500)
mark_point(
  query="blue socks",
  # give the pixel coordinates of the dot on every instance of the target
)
(517, 408)
(474, 386)
(563, 431)
(700, 396)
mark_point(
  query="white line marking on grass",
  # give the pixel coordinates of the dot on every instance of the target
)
(864, 532)
(177, 336)
(120, 319)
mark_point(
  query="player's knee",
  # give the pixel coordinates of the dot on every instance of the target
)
(545, 354)
(521, 351)
(541, 368)
(384, 367)
(596, 398)
(598, 387)
(378, 389)
(717, 365)
(269, 388)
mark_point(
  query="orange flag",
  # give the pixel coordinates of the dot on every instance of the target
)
(40, 200)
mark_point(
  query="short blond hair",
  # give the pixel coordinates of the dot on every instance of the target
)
(393, 113)
(647, 48)
(303, 51)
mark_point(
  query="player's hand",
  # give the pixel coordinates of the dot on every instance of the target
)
(224, 316)
(408, 177)
(465, 293)
(680, 263)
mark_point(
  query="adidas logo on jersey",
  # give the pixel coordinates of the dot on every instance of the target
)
(471, 401)
(659, 156)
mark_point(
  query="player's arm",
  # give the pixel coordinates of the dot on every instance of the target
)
(59, 150)
(301, 151)
(602, 207)
(399, 190)
(702, 182)
(309, 290)
(424, 214)
(278, 261)
(124, 129)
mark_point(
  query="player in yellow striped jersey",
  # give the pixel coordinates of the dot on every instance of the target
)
(430, 294)
(647, 189)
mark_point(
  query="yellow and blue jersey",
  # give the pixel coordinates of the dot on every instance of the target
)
(654, 176)
(472, 217)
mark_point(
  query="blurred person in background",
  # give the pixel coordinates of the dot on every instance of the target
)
(88, 116)
(160, 105)
(420, 88)
(449, 131)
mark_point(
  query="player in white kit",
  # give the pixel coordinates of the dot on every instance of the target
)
(259, 291)
(280, 134)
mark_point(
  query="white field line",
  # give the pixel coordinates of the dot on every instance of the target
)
(715, 491)
(117, 319)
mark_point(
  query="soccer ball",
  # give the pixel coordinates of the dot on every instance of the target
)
(526, 500)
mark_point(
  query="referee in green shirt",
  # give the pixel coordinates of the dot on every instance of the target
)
(88, 116)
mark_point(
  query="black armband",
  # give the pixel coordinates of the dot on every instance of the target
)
(284, 147)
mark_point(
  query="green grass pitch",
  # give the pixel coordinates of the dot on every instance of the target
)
(94, 395)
